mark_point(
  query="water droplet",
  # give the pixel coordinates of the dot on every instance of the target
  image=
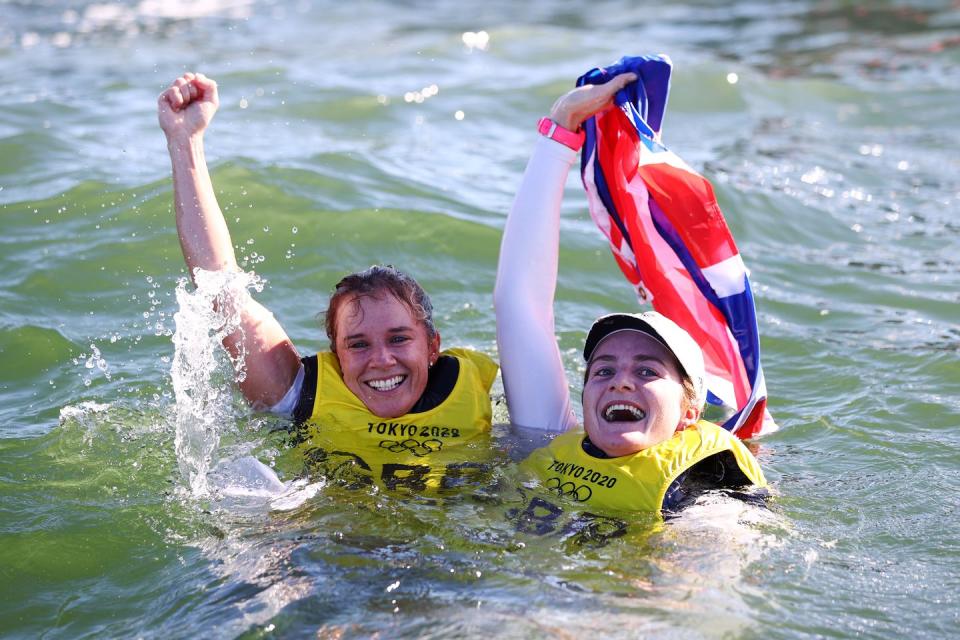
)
(61, 40)
(475, 40)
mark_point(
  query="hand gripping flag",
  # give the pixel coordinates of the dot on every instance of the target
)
(669, 237)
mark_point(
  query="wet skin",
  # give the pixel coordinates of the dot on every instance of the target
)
(385, 353)
(633, 397)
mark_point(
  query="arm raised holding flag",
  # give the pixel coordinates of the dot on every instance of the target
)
(670, 239)
(647, 375)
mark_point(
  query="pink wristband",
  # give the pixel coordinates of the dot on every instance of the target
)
(564, 136)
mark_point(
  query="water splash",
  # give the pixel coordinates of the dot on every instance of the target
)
(246, 483)
(86, 415)
(96, 360)
(201, 373)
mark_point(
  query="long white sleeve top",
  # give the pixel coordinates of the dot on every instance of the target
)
(533, 375)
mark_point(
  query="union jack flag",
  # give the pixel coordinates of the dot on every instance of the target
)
(670, 239)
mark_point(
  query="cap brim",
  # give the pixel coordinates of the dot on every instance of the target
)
(615, 323)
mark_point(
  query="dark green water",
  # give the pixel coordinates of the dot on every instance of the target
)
(834, 156)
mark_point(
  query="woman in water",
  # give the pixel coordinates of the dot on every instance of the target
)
(643, 446)
(385, 378)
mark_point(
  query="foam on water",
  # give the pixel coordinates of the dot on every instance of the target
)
(84, 414)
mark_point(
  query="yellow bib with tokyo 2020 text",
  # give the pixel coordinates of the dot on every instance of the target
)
(637, 482)
(438, 448)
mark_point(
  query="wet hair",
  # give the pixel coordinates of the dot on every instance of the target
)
(689, 393)
(375, 282)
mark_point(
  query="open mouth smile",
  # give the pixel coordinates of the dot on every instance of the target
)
(386, 384)
(623, 412)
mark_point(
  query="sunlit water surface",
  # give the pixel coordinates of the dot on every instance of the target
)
(354, 133)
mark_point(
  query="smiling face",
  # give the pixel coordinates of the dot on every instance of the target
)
(633, 398)
(384, 352)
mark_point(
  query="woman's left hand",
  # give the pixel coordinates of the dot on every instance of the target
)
(575, 106)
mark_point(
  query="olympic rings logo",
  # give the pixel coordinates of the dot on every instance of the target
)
(580, 493)
(415, 447)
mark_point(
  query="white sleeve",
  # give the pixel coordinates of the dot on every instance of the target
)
(289, 400)
(533, 376)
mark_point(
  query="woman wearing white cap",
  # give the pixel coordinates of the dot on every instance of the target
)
(643, 445)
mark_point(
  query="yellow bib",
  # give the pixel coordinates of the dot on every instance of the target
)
(435, 448)
(637, 482)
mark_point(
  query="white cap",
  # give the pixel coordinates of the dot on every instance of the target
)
(663, 330)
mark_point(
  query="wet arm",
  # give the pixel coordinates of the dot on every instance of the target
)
(270, 361)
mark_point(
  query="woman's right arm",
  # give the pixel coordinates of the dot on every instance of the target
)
(534, 380)
(270, 361)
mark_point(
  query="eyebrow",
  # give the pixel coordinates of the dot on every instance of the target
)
(354, 336)
(636, 358)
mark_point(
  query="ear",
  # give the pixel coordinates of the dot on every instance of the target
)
(434, 348)
(690, 417)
